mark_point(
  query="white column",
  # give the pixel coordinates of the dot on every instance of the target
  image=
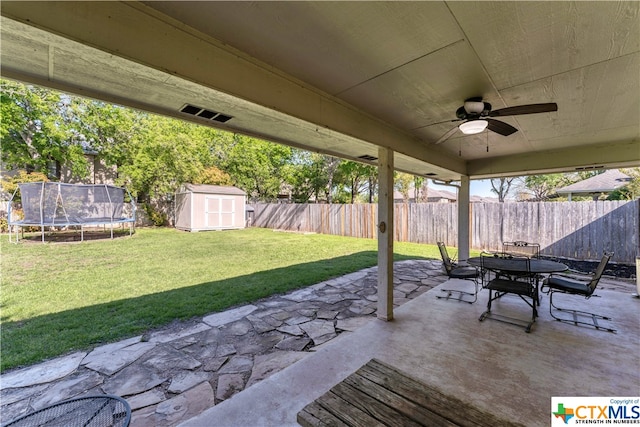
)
(463, 219)
(385, 234)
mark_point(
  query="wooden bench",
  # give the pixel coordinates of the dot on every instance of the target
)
(378, 394)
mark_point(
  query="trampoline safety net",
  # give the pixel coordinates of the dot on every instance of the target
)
(53, 204)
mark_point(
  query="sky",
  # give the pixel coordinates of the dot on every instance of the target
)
(479, 187)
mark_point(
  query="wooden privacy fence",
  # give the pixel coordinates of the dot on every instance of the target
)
(575, 230)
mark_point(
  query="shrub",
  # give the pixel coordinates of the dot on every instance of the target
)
(10, 183)
(156, 217)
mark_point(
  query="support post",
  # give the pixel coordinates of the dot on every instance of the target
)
(463, 219)
(385, 234)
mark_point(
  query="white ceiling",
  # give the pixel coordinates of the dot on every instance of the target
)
(345, 78)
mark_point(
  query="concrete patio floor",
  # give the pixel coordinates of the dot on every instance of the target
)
(495, 366)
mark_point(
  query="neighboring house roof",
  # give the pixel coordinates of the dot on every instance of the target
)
(434, 195)
(211, 189)
(606, 182)
(481, 199)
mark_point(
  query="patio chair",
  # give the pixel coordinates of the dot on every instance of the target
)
(520, 247)
(564, 285)
(496, 273)
(455, 272)
(524, 285)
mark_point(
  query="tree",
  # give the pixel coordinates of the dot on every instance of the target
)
(308, 179)
(331, 166)
(501, 187)
(109, 130)
(542, 186)
(213, 176)
(372, 184)
(630, 191)
(258, 167)
(36, 132)
(357, 178)
(314, 175)
(10, 183)
(421, 189)
(402, 182)
(162, 155)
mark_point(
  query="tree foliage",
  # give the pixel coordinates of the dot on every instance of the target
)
(403, 182)
(109, 130)
(358, 179)
(630, 191)
(154, 155)
(308, 179)
(258, 167)
(213, 176)
(421, 189)
(10, 183)
(162, 155)
(541, 187)
(36, 131)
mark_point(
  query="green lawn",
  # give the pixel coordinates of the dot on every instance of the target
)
(59, 297)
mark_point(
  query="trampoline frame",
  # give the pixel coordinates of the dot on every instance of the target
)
(66, 222)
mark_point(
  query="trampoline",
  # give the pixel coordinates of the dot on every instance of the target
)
(59, 205)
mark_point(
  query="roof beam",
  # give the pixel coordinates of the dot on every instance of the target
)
(135, 32)
(610, 155)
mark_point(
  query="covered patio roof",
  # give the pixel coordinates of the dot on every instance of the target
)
(380, 82)
(345, 78)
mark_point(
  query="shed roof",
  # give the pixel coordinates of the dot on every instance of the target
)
(212, 189)
(605, 182)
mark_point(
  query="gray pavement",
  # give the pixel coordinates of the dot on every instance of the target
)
(492, 366)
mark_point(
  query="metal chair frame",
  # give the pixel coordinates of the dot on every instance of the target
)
(455, 272)
(563, 285)
(524, 285)
(105, 410)
(520, 247)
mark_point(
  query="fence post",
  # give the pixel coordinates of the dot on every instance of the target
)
(637, 277)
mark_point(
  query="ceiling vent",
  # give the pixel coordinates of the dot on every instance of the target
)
(430, 174)
(585, 168)
(205, 114)
(368, 157)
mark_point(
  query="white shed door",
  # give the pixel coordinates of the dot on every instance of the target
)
(220, 211)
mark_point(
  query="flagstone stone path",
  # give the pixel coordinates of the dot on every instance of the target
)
(175, 373)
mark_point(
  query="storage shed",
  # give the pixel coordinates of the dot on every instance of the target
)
(209, 207)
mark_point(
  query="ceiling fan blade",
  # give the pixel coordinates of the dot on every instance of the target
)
(502, 128)
(524, 109)
(437, 123)
(446, 136)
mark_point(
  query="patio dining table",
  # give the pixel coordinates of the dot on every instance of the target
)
(506, 265)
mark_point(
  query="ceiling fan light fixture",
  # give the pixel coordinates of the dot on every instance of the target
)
(474, 107)
(473, 126)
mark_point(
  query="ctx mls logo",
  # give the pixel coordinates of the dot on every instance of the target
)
(564, 413)
(595, 410)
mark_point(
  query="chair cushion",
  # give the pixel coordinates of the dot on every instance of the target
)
(463, 273)
(567, 285)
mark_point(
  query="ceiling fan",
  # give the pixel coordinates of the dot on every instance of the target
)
(476, 117)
